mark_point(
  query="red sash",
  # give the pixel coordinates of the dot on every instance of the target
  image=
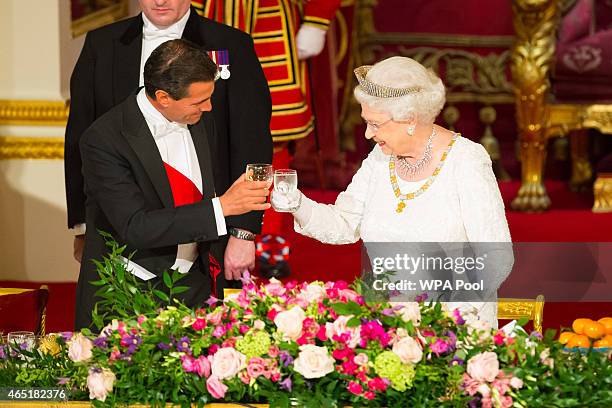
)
(185, 192)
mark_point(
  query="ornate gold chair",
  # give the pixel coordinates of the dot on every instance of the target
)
(24, 309)
(538, 116)
(515, 309)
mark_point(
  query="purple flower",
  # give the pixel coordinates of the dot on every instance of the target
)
(62, 380)
(212, 301)
(536, 335)
(183, 344)
(286, 384)
(131, 342)
(456, 361)
(163, 346)
(67, 335)
(421, 298)
(285, 358)
(458, 319)
(101, 342)
(2, 352)
(24, 345)
(475, 403)
(452, 339)
(388, 312)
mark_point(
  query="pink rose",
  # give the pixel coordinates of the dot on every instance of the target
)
(219, 331)
(100, 383)
(215, 387)
(483, 366)
(273, 351)
(199, 324)
(313, 361)
(355, 388)
(214, 318)
(275, 287)
(244, 377)
(227, 362)
(187, 362)
(289, 323)
(369, 395)
(408, 350)
(79, 348)
(202, 366)
(256, 367)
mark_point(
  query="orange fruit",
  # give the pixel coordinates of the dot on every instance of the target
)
(603, 343)
(579, 340)
(594, 330)
(607, 323)
(566, 336)
(578, 325)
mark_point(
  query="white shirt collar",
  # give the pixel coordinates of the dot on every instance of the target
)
(175, 30)
(158, 124)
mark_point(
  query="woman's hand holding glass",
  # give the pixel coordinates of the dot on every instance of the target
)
(285, 196)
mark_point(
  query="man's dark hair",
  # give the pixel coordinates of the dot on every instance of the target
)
(174, 66)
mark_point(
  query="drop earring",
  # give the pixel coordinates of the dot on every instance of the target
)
(410, 130)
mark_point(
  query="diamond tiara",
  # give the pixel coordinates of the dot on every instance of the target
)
(380, 91)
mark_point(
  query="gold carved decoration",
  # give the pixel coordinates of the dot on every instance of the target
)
(33, 112)
(509, 308)
(469, 77)
(107, 15)
(442, 40)
(535, 23)
(602, 190)
(16, 147)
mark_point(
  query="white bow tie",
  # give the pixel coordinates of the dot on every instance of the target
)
(166, 129)
(150, 32)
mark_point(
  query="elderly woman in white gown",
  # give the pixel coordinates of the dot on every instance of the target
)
(420, 183)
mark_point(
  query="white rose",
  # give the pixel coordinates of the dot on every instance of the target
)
(516, 383)
(313, 361)
(313, 293)
(100, 383)
(483, 366)
(289, 322)
(227, 362)
(410, 311)
(79, 348)
(408, 350)
(339, 327)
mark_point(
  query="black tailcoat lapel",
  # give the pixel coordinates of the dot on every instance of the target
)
(139, 137)
(126, 61)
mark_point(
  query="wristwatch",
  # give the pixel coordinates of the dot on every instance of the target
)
(241, 234)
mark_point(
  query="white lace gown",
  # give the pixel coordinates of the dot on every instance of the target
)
(463, 204)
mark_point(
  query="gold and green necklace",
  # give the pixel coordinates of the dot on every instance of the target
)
(403, 198)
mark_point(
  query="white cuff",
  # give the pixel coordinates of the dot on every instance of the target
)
(219, 218)
(302, 215)
(79, 229)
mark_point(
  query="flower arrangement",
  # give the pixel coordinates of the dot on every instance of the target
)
(308, 344)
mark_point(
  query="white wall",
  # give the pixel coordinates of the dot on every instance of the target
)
(38, 54)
